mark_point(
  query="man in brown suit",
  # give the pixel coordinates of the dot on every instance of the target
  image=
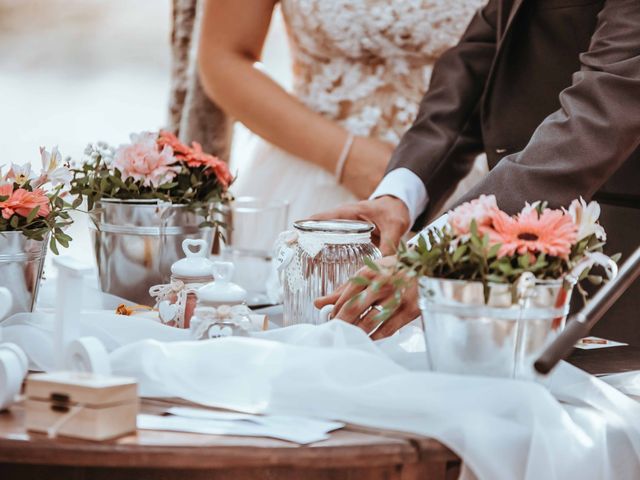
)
(550, 90)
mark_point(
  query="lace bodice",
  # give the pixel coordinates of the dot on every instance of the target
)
(367, 63)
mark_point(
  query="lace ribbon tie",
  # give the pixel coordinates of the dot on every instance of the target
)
(166, 293)
(291, 245)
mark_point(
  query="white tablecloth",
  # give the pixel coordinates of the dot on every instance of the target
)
(575, 427)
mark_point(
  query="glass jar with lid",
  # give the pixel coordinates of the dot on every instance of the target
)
(316, 258)
(176, 300)
(221, 309)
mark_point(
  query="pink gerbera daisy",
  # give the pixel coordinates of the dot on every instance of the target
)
(551, 232)
(22, 202)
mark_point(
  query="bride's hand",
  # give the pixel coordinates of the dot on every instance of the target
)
(365, 165)
(360, 304)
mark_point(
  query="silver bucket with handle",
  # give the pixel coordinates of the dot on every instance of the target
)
(21, 264)
(137, 241)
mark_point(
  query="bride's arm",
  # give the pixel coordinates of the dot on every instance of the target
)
(233, 34)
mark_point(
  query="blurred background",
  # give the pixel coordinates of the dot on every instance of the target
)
(74, 71)
(79, 71)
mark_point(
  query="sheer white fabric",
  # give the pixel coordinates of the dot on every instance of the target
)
(576, 427)
(366, 65)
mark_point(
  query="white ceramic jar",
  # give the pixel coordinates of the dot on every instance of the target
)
(221, 310)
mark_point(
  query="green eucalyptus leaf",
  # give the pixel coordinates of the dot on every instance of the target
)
(32, 214)
(523, 261)
(53, 247)
(595, 279)
(493, 251)
(362, 281)
(371, 264)
(459, 252)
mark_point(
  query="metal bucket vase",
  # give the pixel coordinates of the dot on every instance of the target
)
(21, 264)
(499, 338)
(137, 241)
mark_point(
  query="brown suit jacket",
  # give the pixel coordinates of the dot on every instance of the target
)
(550, 90)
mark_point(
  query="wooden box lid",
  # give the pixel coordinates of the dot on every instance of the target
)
(79, 387)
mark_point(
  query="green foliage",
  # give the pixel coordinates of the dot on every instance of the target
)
(192, 186)
(37, 228)
(439, 253)
(475, 259)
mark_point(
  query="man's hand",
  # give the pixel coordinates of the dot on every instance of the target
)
(362, 305)
(389, 214)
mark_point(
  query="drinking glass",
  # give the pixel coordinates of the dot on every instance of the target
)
(254, 226)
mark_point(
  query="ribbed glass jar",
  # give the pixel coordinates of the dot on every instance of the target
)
(327, 253)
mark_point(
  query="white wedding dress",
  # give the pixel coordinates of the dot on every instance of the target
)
(364, 64)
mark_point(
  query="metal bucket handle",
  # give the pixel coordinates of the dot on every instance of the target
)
(591, 259)
(164, 208)
(94, 215)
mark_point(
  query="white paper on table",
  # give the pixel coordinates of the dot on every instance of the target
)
(302, 431)
(596, 345)
(266, 420)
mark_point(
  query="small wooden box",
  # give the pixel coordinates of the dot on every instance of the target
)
(99, 407)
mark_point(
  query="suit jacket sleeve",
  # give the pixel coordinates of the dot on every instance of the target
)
(578, 147)
(447, 126)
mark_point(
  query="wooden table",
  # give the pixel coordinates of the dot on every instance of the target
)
(607, 360)
(349, 454)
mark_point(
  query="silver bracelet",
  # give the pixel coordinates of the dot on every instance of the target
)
(344, 154)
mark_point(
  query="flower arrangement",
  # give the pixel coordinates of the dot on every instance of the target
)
(154, 165)
(480, 242)
(34, 204)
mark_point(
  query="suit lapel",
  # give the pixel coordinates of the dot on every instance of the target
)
(508, 11)
(513, 11)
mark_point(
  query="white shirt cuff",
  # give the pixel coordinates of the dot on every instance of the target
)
(406, 186)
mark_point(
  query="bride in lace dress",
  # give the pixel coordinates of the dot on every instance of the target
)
(360, 68)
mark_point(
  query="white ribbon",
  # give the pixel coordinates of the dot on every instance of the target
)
(206, 317)
(165, 292)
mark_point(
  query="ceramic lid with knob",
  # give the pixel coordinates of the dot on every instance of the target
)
(195, 264)
(222, 291)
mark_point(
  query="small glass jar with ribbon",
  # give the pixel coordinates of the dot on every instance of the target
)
(176, 300)
(221, 310)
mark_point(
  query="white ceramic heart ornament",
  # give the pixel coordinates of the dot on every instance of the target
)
(195, 267)
(168, 311)
(218, 332)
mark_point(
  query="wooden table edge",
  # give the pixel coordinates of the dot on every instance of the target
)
(202, 457)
